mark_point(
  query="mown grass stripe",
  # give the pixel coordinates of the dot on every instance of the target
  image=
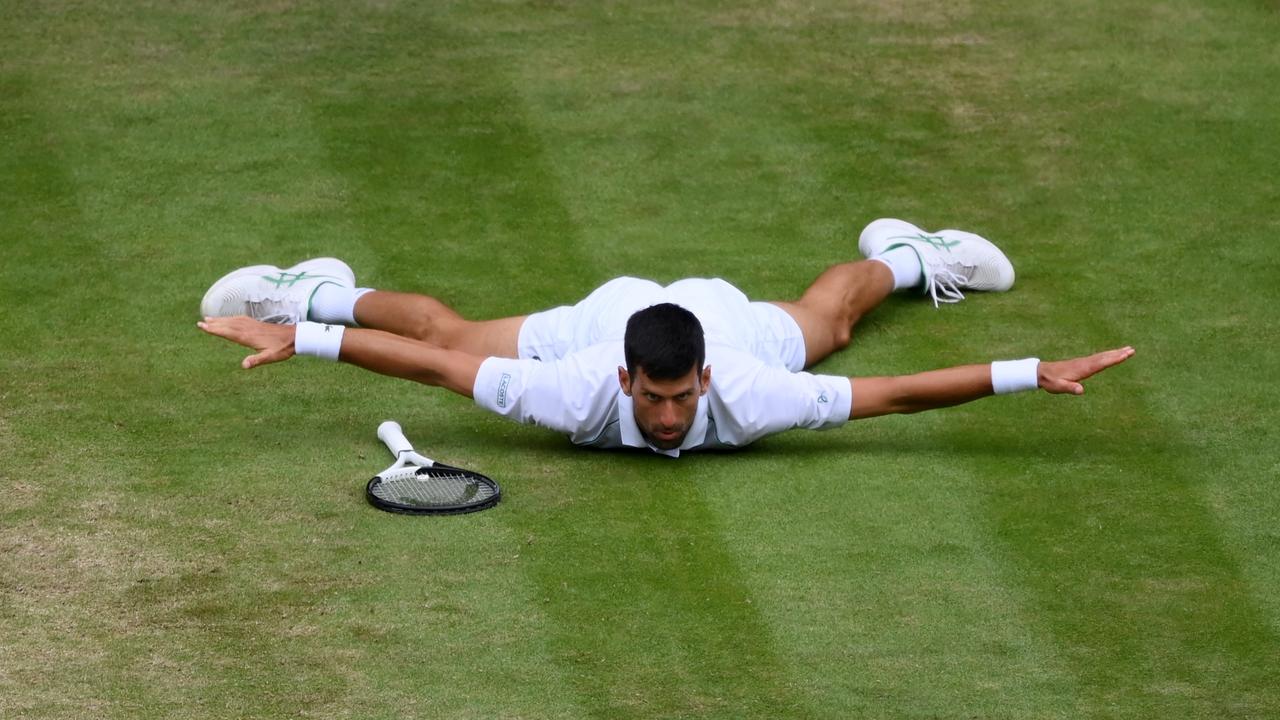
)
(656, 617)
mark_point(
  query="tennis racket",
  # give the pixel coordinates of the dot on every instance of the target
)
(418, 485)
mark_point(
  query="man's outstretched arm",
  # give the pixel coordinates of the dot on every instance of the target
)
(873, 396)
(375, 350)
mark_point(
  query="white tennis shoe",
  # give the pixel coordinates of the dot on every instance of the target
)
(952, 260)
(272, 294)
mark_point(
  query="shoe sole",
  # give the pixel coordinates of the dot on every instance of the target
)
(211, 304)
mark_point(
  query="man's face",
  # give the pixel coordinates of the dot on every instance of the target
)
(665, 409)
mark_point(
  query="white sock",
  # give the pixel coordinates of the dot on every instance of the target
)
(333, 303)
(905, 264)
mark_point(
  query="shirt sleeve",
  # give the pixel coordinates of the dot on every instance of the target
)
(570, 395)
(761, 400)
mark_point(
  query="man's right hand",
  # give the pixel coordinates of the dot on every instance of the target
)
(273, 343)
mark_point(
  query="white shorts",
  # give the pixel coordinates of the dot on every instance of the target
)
(762, 329)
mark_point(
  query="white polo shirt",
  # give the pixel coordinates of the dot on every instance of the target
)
(579, 395)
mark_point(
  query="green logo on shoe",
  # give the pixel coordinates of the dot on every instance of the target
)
(288, 280)
(937, 241)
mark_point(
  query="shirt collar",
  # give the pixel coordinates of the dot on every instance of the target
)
(632, 437)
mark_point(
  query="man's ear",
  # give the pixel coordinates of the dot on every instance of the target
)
(706, 380)
(624, 379)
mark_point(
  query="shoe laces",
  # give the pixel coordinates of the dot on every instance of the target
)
(945, 280)
(944, 274)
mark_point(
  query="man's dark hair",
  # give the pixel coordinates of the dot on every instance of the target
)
(666, 340)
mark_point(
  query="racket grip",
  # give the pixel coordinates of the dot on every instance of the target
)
(392, 436)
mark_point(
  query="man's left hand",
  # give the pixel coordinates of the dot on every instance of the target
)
(1064, 376)
(273, 343)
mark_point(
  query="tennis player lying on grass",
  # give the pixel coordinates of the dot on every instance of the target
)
(690, 366)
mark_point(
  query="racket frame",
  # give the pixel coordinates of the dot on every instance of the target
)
(391, 434)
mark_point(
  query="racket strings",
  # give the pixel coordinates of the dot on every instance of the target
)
(433, 488)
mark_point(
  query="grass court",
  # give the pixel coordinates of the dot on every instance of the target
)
(180, 538)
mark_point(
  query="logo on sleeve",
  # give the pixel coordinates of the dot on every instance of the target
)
(822, 398)
(502, 389)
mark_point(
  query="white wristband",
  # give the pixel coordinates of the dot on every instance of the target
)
(318, 340)
(1011, 376)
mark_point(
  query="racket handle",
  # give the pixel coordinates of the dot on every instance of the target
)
(392, 436)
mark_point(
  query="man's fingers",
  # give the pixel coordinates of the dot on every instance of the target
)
(273, 343)
(1065, 376)
(1111, 358)
(230, 328)
(253, 361)
(1095, 364)
(267, 356)
(1062, 386)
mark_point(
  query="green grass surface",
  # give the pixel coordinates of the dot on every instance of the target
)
(179, 538)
